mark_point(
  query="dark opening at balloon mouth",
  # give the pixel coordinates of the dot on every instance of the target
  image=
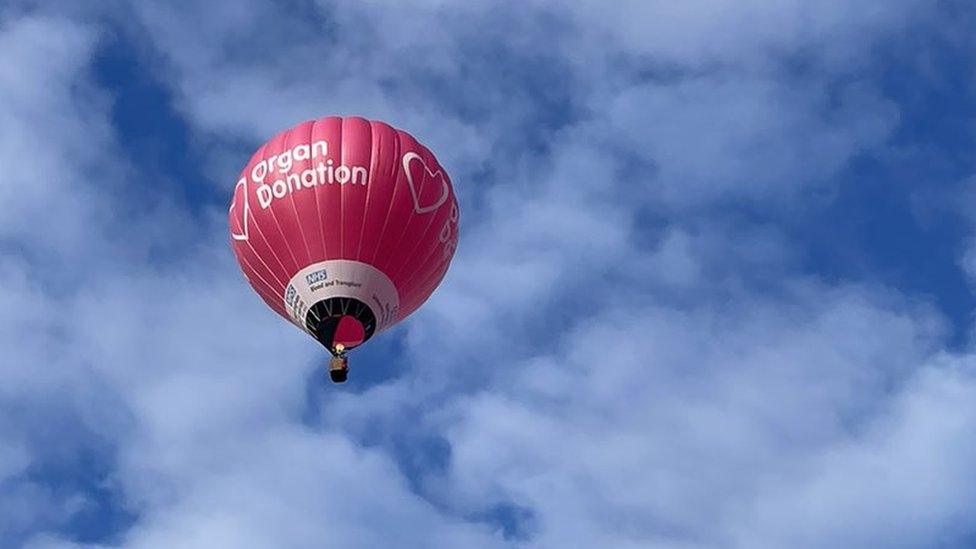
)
(341, 320)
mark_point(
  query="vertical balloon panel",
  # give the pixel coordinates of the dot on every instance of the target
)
(384, 170)
(302, 173)
(257, 258)
(357, 152)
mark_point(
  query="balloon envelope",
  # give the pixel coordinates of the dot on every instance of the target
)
(344, 226)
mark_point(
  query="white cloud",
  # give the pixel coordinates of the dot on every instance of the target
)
(746, 33)
(709, 136)
(52, 132)
(657, 425)
(905, 482)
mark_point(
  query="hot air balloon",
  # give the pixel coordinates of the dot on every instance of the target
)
(343, 226)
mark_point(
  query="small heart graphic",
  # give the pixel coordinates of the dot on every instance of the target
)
(417, 185)
(247, 210)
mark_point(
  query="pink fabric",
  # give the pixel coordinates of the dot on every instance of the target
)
(392, 207)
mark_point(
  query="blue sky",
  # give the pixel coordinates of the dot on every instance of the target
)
(714, 287)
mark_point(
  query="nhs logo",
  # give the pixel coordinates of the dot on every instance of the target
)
(316, 276)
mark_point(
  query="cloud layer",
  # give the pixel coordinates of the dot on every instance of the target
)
(636, 345)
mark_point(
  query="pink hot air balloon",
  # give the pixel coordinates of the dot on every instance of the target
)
(344, 226)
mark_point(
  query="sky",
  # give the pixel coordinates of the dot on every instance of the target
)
(714, 288)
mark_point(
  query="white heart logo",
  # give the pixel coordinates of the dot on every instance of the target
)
(415, 192)
(247, 210)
